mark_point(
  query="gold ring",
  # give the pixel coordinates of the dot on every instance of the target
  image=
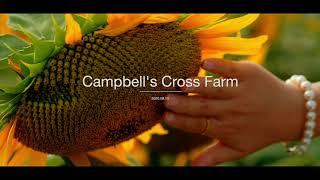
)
(205, 129)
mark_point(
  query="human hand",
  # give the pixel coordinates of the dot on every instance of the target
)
(261, 111)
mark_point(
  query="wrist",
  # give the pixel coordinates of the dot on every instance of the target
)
(295, 114)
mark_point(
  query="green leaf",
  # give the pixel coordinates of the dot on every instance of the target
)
(38, 25)
(303, 160)
(46, 31)
(5, 97)
(11, 82)
(10, 44)
(55, 160)
(91, 23)
(4, 64)
(9, 79)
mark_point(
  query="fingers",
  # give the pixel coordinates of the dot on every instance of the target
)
(199, 125)
(216, 154)
(225, 68)
(214, 88)
(195, 105)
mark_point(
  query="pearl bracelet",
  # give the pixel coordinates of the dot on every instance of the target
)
(311, 115)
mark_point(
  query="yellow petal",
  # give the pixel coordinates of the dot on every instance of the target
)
(80, 159)
(73, 33)
(181, 159)
(111, 156)
(161, 18)
(140, 153)
(267, 24)
(202, 73)
(234, 45)
(206, 55)
(260, 57)
(4, 29)
(197, 20)
(211, 54)
(37, 158)
(14, 66)
(121, 23)
(8, 148)
(20, 157)
(146, 136)
(4, 133)
(128, 145)
(119, 152)
(227, 27)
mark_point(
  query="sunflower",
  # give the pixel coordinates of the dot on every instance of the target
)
(267, 24)
(45, 109)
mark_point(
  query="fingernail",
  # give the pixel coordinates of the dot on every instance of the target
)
(208, 64)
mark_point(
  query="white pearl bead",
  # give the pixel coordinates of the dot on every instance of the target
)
(309, 94)
(310, 124)
(289, 81)
(311, 105)
(301, 79)
(311, 115)
(308, 133)
(294, 77)
(306, 85)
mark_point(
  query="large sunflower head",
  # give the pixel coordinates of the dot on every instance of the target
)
(42, 95)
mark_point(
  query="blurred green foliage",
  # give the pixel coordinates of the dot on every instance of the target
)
(296, 50)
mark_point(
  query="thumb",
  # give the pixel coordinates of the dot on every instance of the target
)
(216, 154)
(225, 68)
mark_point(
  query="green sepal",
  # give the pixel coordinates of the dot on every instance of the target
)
(59, 31)
(91, 23)
(27, 56)
(34, 69)
(182, 17)
(42, 49)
